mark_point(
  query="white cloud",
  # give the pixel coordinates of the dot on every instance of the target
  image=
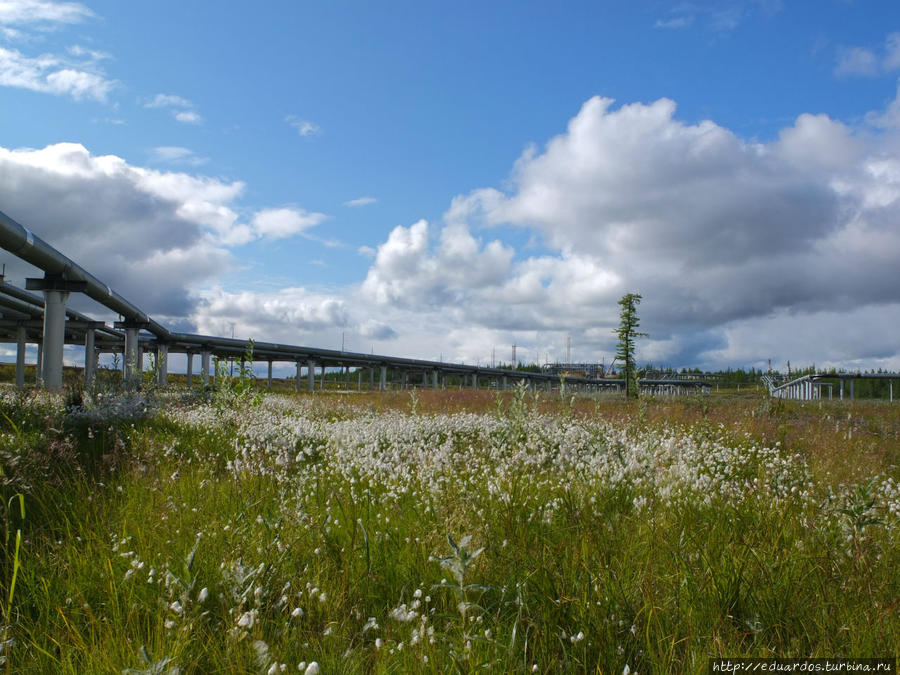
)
(866, 62)
(168, 101)
(52, 75)
(294, 315)
(188, 117)
(30, 12)
(151, 235)
(284, 222)
(181, 108)
(715, 232)
(304, 127)
(361, 201)
(856, 61)
(92, 54)
(407, 273)
(174, 154)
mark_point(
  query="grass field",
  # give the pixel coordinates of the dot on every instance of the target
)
(451, 531)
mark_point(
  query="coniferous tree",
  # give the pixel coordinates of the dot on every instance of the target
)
(627, 333)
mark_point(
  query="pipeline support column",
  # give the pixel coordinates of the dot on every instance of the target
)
(204, 367)
(90, 356)
(56, 291)
(162, 364)
(21, 336)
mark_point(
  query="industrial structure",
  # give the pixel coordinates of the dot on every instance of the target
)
(818, 386)
(46, 321)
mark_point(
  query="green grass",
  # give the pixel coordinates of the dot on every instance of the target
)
(233, 539)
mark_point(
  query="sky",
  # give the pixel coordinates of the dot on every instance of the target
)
(446, 180)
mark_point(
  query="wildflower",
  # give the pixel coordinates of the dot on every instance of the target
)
(312, 669)
(204, 594)
(247, 619)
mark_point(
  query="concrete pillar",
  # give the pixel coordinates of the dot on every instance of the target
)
(403, 380)
(190, 369)
(434, 379)
(474, 380)
(322, 383)
(162, 364)
(346, 377)
(39, 371)
(311, 375)
(298, 378)
(54, 337)
(842, 390)
(204, 368)
(371, 379)
(503, 385)
(20, 356)
(130, 356)
(383, 384)
(90, 357)
(269, 377)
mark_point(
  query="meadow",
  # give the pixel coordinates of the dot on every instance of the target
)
(442, 531)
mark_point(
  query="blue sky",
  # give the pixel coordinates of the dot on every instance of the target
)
(447, 179)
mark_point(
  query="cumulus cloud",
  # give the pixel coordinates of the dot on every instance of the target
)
(715, 231)
(406, 272)
(188, 117)
(152, 235)
(52, 75)
(76, 74)
(290, 314)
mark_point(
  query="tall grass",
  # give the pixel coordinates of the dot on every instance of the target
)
(446, 532)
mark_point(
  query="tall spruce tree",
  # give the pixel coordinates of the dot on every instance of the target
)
(627, 333)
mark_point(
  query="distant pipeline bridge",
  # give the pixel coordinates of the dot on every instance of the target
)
(45, 320)
(816, 386)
